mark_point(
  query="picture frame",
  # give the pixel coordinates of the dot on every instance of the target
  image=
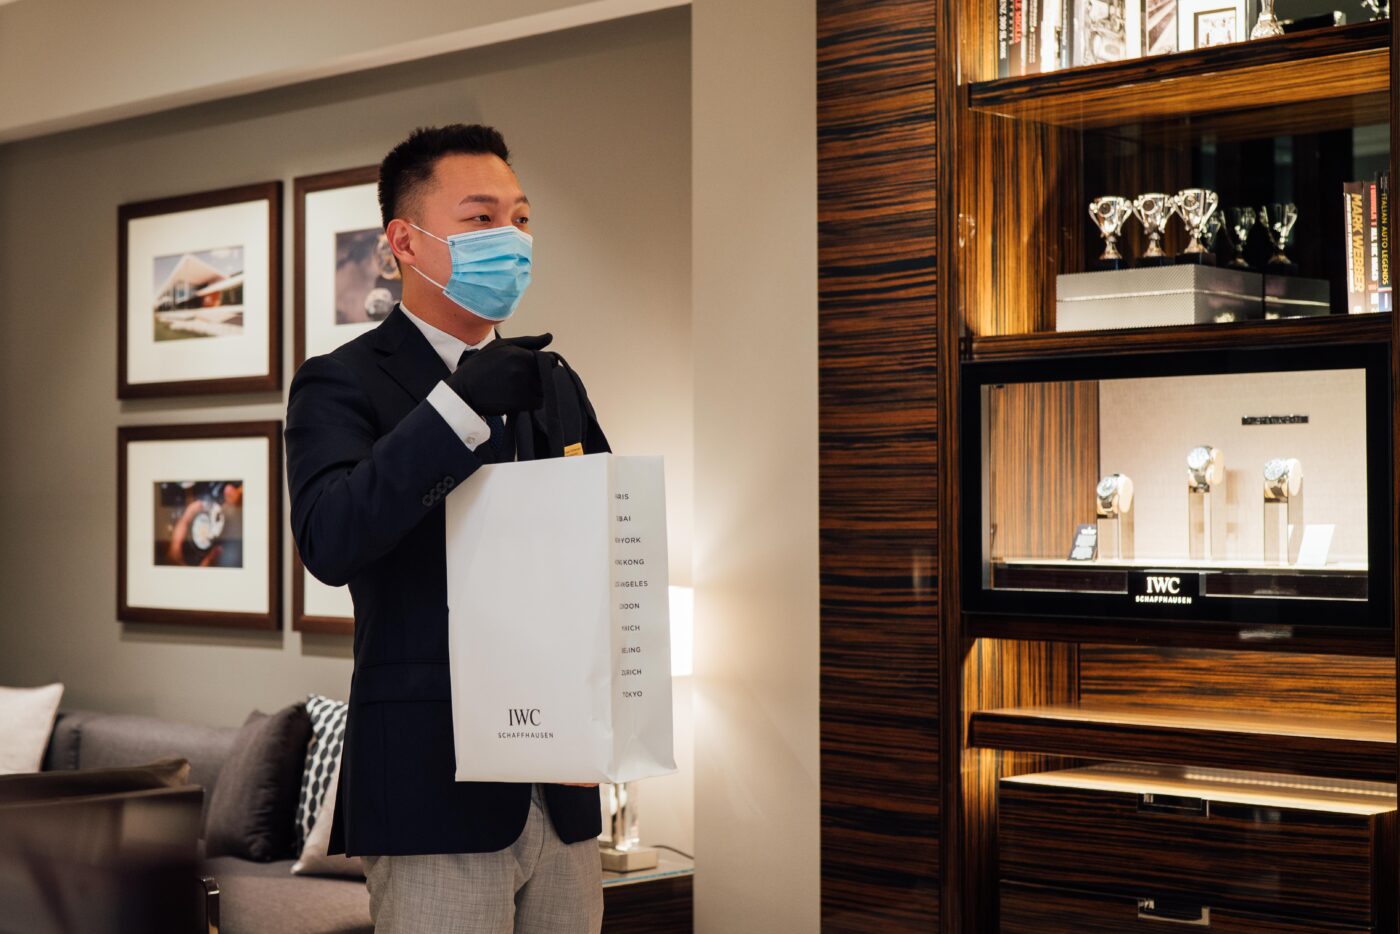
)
(1104, 31)
(318, 607)
(199, 293)
(1159, 27)
(199, 524)
(345, 277)
(1204, 23)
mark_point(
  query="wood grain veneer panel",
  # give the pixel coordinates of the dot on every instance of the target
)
(1353, 749)
(1294, 863)
(996, 674)
(878, 243)
(1013, 198)
(1043, 459)
(1393, 846)
(1323, 64)
(1004, 241)
(656, 906)
(1034, 909)
(1333, 329)
(1258, 682)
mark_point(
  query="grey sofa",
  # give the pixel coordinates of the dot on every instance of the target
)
(253, 898)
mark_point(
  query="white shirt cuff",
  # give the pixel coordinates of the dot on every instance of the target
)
(460, 417)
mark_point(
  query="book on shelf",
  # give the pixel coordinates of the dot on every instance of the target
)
(1383, 287)
(1366, 209)
(1031, 36)
(1352, 215)
(1373, 249)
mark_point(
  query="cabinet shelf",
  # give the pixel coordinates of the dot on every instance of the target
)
(1334, 748)
(1292, 71)
(1311, 640)
(1330, 329)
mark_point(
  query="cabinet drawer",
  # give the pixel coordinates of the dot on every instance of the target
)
(1276, 846)
(1031, 909)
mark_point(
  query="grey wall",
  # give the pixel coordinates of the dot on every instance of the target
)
(71, 63)
(599, 118)
(757, 781)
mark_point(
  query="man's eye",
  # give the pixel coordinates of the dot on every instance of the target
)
(522, 220)
(486, 218)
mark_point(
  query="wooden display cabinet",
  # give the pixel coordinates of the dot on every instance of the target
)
(1018, 161)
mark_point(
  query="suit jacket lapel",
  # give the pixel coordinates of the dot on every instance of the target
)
(407, 356)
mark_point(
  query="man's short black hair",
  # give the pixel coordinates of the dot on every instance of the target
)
(409, 165)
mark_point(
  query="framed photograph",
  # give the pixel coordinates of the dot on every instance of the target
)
(199, 293)
(1203, 23)
(346, 277)
(1159, 31)
(199, 516)
(1106, 31)
(318, 607)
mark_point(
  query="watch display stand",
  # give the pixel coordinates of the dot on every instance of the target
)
(1283, 530)
(1206, 518)
(1116, 537)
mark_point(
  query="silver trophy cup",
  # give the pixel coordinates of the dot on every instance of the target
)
(1197, 207)
(1242, 221)
(1110, 213)
(1278, 220)
(1153, 210)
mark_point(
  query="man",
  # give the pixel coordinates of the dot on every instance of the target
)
(379, 432)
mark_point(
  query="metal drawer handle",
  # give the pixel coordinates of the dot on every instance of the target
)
(1172, 804)
(1198, 916)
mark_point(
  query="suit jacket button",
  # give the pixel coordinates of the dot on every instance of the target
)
(428, 500)
(448, 481)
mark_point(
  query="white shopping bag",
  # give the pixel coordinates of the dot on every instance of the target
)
(558, 621)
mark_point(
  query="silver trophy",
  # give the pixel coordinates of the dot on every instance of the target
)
(1197, 207)
(1267, 25)
(1110, 213)
(1213, 228)
(1242, 221)
(1153, 210)
(1278, 220)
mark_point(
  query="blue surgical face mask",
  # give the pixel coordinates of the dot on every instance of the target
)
(490, 270)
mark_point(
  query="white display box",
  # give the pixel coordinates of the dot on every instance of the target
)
(1158, 296)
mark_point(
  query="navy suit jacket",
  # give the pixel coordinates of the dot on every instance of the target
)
(369, 462)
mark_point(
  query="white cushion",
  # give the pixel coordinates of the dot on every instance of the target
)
(322, 759)
(26, 720)
(314, 860)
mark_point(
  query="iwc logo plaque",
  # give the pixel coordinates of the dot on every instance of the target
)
(1164, 587)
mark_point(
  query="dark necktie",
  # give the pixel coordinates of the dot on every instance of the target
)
(496, 423)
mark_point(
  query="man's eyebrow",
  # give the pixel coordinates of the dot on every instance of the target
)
(490, 199)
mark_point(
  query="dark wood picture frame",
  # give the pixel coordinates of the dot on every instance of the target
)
(270, 430)
(301, 187)
(301, 622)
(271, 381)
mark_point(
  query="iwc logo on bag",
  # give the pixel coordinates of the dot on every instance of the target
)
(523, 717)
(1163, 587)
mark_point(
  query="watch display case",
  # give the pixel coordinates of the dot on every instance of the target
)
(1220, 485)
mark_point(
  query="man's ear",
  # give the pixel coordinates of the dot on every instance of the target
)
(400, 237)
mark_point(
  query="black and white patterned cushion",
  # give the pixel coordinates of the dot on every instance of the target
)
(322, 759)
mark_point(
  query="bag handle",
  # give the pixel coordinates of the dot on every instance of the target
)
(553, 421)
(522, 424)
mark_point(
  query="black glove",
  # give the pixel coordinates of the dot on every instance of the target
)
(503, 377)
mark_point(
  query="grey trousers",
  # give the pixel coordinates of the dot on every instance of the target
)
(537, 885)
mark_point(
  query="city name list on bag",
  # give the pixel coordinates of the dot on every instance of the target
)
(625, 556)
